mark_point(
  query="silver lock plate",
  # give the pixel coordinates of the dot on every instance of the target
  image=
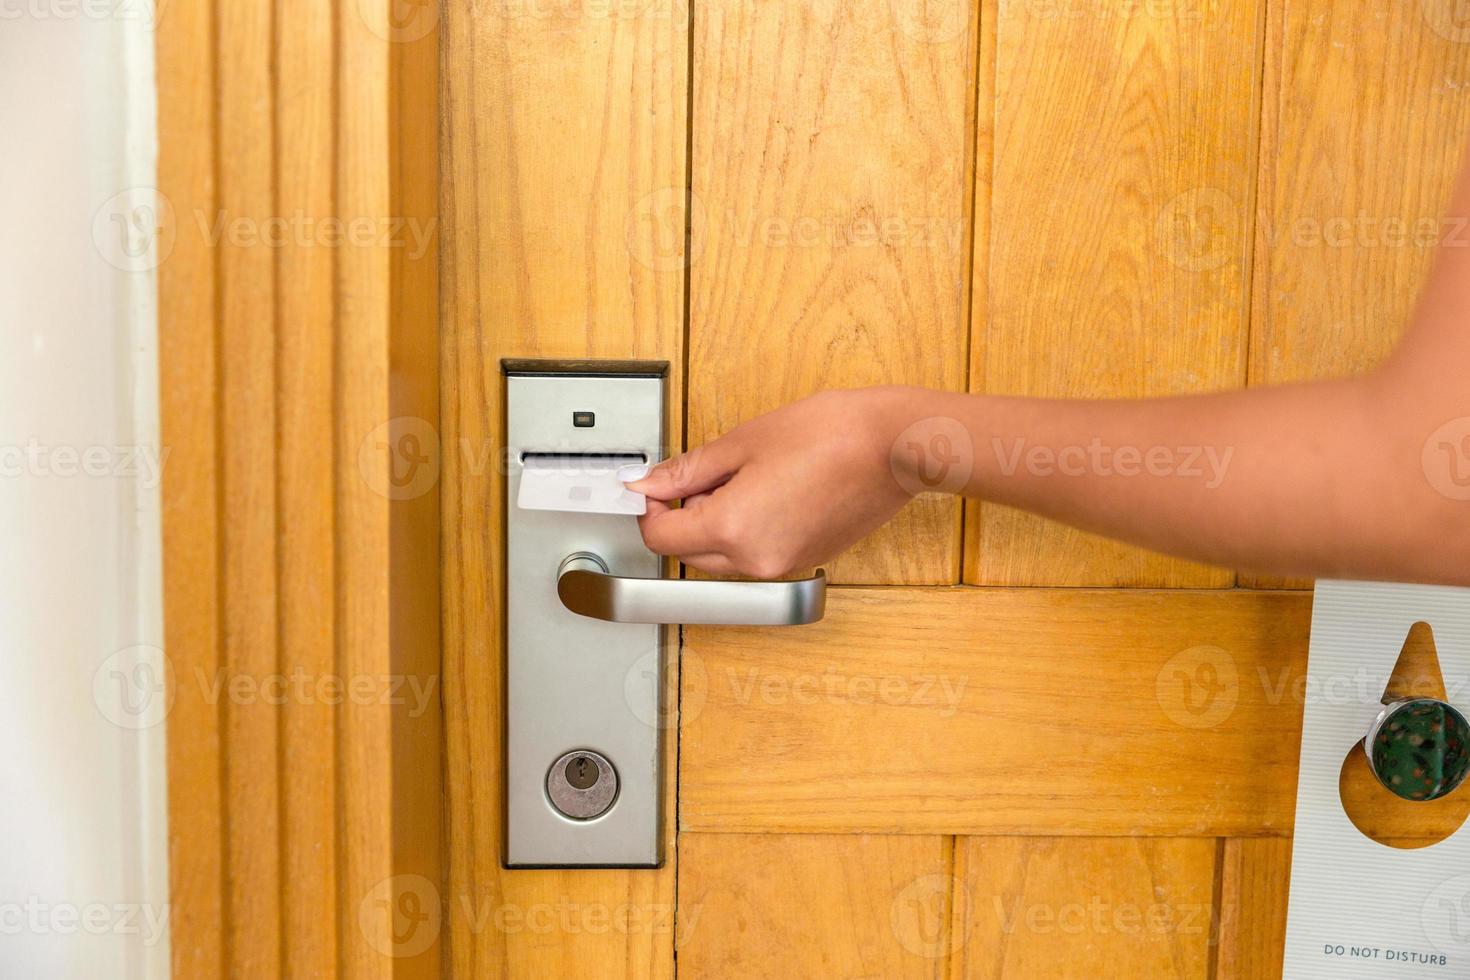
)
(580, 687)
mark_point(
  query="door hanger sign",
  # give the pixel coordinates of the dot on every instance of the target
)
(1359, 908)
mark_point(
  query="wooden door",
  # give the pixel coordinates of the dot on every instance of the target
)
(1011, 749)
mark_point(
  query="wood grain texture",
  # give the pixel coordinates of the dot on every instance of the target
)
(248, 470)
(563, 168)
(775, 906)
(306, 483)
(364, 739)
(914, 689)
(1082, 908)
(299, 593)
(830, 224)
(414, 651)
(1363, 131)
(829, 243)
(189, 365)
(1255, 875)
(567, 134)
(386, 460)
(1363, 124)
(1122, 167)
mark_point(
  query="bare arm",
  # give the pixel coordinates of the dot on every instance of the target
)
(1361, 478)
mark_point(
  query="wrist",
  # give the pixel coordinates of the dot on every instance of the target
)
(916, 437)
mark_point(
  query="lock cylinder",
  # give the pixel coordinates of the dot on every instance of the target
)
(582, 785)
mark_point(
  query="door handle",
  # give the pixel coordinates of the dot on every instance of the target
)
(587, 588)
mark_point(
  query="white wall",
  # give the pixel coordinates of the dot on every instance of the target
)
(83, 883)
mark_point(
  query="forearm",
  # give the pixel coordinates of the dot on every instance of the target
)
(1317, 479)
(1365, 478)
(1360, 478)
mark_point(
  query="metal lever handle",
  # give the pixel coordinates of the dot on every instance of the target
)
(587, 589)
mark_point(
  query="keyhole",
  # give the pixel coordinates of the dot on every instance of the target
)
(582, 772)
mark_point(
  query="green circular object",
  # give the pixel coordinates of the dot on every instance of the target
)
(1418, 748)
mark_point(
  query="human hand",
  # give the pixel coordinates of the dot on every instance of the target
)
(787, 490)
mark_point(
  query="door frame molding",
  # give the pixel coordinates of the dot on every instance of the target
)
(291, 372)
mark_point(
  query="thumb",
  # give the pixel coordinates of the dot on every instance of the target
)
(693, 472)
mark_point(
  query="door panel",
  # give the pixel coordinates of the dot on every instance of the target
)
(939, 779)
(1361, 138)
(1360, 145)
(811, 905)
(1084, 907)
(1115, 137)
(307, 310)
(1254, 875)
(1011, 711)
(248, 568)
(830, 231)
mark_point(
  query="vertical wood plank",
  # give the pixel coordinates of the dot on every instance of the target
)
(830, 224)
(1068, 907)
(364, 455)
(249, 528)
(1118, 256)
(414, 653)
(563, 148)
(189, 411)
(771, 905)
(305, 400)
(1363, 129)
(1363, 132)
(1254, 873)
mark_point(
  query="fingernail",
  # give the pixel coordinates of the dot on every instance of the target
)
(633, 474)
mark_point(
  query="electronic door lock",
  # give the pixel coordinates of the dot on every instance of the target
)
(585, 608)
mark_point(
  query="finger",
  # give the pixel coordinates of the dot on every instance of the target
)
(696, 499)
(698, 470)
(713, 564)
(654, 507)
(677, 531)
